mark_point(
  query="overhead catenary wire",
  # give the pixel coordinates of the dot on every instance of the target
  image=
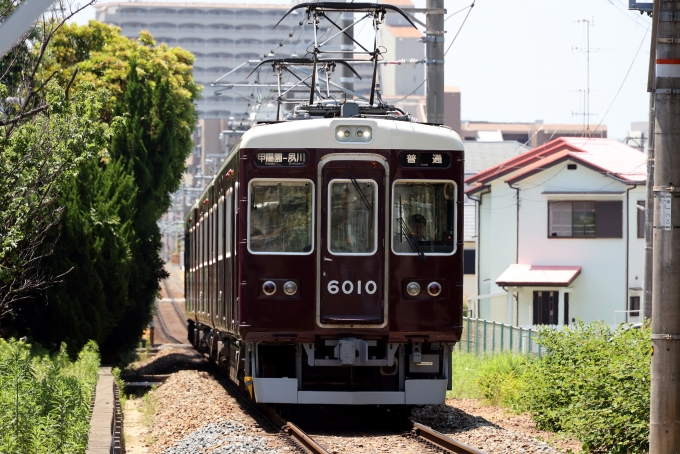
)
(469, 8)
(623, 81)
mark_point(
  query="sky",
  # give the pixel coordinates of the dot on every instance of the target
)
(526, 60)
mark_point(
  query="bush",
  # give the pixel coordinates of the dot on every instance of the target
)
(593, 384)
(44, 402)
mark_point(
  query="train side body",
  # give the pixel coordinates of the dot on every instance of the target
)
(304, 277)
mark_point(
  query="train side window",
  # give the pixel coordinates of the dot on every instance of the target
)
(424, 217)
(230, 208)
(280, 216)
(220, 229)
(206, 243)
(352, 217)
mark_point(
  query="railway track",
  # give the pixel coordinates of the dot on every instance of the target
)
(302, 440)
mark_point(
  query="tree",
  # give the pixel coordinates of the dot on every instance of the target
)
(114, 247)
(44, 136)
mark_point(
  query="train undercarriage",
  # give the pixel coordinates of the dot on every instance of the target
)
(343, 371)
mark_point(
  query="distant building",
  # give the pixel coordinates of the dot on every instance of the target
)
(560, 234)
(638, 136)
(533, 134)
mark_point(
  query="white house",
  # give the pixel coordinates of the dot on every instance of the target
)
(560, 234)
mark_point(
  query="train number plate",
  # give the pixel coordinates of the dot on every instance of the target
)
(352, 287)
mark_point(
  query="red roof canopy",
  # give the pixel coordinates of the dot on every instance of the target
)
(607, 156)
(538, 276)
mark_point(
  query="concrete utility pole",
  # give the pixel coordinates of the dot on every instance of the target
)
(434, 54)
(664, 427)
(649, 197)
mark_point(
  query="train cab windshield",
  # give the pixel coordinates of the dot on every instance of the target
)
(280, 218)
(423, 217)
(352, 226)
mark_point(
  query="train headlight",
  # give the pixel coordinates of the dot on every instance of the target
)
(364, 134)
(290, 288)
(413, 288)
(343, 134)
(434, 288)
(269, 288)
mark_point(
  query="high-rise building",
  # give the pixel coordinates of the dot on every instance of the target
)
(222, 37)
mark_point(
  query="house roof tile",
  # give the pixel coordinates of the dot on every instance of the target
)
(607, 156)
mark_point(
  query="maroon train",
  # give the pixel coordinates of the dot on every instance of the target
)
(324, 261)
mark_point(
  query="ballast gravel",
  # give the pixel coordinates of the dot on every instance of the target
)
(195, 414)
(221, 438)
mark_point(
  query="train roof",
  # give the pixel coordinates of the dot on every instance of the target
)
(320, 133)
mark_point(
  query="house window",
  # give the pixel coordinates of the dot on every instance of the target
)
(585, 219)
(545, 308)
(634, 306)
(641, 219)
(566, 309)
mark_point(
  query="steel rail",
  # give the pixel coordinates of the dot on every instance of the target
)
(174, 303)
(163, 326)
(442, 441)
(298, 435)
(292, 430)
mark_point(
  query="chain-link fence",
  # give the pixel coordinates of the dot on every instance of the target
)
(485, 336)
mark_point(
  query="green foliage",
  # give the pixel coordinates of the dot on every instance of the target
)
(108, 236)
(499, 379)
(37, 160)
(44, 402)
(593, 384)
(464, 370)
(496, 379)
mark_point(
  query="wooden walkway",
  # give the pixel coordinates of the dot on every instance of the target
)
(100, 438)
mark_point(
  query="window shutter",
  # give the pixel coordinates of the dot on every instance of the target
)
(609, 219)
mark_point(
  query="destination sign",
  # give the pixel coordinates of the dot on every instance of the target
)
(431, 160)
(281, 159)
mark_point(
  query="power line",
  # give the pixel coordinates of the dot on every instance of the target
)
(461, 26)
(623, 82)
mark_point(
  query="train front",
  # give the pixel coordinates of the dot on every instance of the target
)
(350, 270)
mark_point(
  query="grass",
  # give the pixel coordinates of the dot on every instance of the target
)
(494, 379)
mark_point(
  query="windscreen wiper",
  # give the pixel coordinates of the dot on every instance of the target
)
(361, 193)
(409, 237)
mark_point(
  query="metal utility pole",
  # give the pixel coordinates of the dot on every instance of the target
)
(347, 78)
(434, 55)
(664, 427)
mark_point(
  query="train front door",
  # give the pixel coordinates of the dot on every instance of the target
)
(351, 246)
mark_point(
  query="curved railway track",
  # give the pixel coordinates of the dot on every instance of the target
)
(163, 326)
